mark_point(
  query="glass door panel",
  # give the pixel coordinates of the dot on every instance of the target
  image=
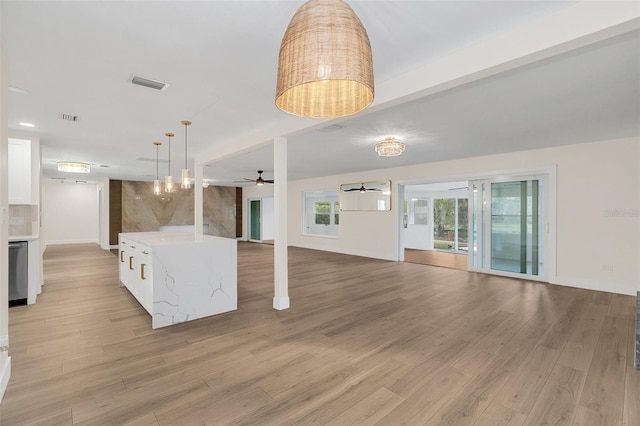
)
(515, 227)
(255, 220)
(507, 226)
(462, 227)
(444, 223)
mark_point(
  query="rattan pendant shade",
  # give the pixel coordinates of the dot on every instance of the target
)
(325, 68)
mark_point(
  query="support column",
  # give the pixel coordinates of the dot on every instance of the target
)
(280, 256)
(198, 208)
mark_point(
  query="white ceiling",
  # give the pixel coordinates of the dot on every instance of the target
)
(220, 59)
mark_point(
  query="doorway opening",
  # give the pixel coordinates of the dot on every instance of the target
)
(261, 223)
(436, 223)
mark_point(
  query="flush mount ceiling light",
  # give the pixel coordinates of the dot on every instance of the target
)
(186, 173)
(73, 167)
(390, 146)
(325, 68)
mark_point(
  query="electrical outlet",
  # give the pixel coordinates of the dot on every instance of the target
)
(607, 267)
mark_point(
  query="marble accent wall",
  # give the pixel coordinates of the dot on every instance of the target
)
(638, 331)
(219, 205)
(142, 211)
(23, 219)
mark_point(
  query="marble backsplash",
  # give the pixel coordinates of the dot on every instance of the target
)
(23, 219)
(638, 331)
(142, 211)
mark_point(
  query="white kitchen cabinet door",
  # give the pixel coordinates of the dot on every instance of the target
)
(19, 168)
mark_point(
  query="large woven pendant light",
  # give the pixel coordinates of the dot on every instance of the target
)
(325, 67)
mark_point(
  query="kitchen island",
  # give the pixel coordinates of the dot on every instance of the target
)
(179, 276)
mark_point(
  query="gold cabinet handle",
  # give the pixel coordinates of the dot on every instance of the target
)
(142, 265)
(131, 262)
(122, 256)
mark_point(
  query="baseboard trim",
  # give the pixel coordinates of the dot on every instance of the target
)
(359, 253)
(81, 241)
(608, 287)
(4, 379)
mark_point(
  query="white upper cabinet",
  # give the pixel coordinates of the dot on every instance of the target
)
(20, 176)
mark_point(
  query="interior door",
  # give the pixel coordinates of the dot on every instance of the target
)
(255, 220)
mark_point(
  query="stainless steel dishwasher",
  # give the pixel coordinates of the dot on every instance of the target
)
(18, 272)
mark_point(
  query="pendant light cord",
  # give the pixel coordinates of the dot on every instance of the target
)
(169, 155)
(185, 146)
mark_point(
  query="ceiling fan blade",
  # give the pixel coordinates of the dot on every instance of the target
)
(268, 180)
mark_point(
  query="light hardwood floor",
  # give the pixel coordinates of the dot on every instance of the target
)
(365, 341)
(436, 258)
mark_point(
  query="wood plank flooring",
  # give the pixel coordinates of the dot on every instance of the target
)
(436, 258)
(365, 342)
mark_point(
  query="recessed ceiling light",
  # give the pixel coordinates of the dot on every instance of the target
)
(17, 90)
(25, 124)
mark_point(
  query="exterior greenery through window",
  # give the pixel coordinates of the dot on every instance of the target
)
(323, 212)
(450, 224)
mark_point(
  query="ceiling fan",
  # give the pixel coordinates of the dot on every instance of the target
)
(362, 189)
(258, 181)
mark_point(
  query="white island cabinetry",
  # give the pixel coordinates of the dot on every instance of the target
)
(179, 276)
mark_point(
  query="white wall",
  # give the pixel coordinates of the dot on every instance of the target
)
(70, 212)
(267, 225)
(103, 189)
(598, 201)
(5, 360)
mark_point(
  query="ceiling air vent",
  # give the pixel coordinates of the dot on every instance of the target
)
(331, 128)
(151, 160)
(152, 84)
(68, 117)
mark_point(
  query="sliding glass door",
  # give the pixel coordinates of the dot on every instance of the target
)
(507, 223)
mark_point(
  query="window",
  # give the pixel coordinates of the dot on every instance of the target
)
(421, 212)
(416, 212)
(321, 213)
(450, 224)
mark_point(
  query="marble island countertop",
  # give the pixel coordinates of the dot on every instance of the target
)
(179, 276)
(14, 238)
(159, 238)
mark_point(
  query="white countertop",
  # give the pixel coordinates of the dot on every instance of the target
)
(14, 238)
(169, 237)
